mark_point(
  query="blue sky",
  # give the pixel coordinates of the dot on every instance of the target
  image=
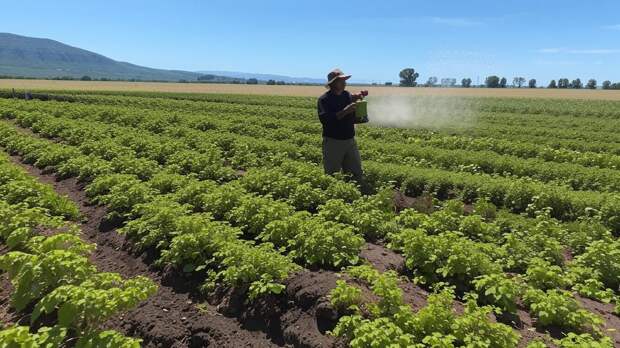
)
(372, 40)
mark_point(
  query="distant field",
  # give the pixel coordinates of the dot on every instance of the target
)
(302, 90)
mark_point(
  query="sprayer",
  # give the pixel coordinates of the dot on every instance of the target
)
(361, 108)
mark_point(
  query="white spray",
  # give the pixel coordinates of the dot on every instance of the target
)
(432, 112)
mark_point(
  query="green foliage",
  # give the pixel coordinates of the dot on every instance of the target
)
(445, 257)
(384, 286)
(198, 239)
(543, 275)
(253, 213)
(559, 308)
(62, 241)
(102, 185)
(326, 243)
(345, 297)
(573, 340)
(604, 258)
(474, 227)
(85, 168)
(124, 196)
(20, 336)
(34, 276)
(107, 339)
(473, 329)
(499, 290)
(582, 233)
(379, 332)
(486, 209)
(156, 223)
(222, 200)
(243, 264)
(540, 239)
(84, 306)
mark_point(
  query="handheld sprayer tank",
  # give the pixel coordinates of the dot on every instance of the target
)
(361, 109)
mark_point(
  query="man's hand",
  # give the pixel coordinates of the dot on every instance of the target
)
(359, 96)
(347, 110)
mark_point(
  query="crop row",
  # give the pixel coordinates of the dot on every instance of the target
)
(515, 194)
(517, 146)
(534, 106)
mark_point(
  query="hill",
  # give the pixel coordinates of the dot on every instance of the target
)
(45, 58)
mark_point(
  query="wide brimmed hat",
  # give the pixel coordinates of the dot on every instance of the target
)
(335, 75)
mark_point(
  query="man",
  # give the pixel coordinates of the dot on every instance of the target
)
(336, 110)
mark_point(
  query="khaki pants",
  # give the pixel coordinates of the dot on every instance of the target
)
(342, 155)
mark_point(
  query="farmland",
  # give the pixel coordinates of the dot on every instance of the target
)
(302, 91)
(190, 219)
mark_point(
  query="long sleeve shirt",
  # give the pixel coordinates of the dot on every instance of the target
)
(328, 105)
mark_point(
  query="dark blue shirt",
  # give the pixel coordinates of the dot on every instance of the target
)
(328, 105)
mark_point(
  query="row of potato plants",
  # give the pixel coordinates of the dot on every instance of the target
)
(320, 242)
(264, 109)
(54, 282)
(518, 201)
(490, 260)
(493, 165)
(385, 319)
(122, 183)
(421, 154)
(342, 208)
(565, 203)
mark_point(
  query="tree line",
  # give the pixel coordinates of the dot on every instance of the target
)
(408, 78)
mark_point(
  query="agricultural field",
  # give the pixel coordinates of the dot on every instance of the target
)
(301, 91)
(187, 220)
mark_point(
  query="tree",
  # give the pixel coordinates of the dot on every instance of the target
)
(503, 82)
(431, 82)
(563, 83)
(492, 81)
(576, 84)
(552, 84)
(252, 81)
(280, 82)
(448, 82)
(591, 84)
(466, 83)
(518, 81)
(388, 83)
(532, 83)
(408, 77)
(86, 78)
(271, 82)
(606, 84)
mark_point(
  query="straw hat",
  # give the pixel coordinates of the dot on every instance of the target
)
(335, 75)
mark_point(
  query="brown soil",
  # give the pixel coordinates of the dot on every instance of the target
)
(605, 311)
(422, 204)
(382, 258)
(7, 316)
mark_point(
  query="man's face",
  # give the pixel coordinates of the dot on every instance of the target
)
(339, 84)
